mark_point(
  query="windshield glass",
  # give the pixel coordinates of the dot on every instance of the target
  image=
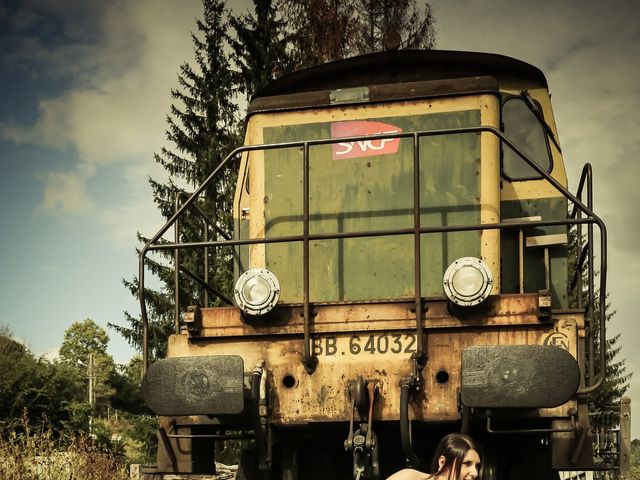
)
(524, 129)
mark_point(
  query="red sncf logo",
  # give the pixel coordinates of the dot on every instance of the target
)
(363, 148)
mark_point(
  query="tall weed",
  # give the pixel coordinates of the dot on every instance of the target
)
(28, 455)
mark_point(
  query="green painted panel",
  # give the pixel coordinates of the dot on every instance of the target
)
(548, 209)
(372, 192)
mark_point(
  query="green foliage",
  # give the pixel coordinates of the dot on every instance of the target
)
(320, 30)
(634, 463)
(260, 46)
(34, 391)
(617, 377)
(143, 431)
(326, 30)
(375, 18)
(84, 341)
(126, 381)
(80, 340)
(42, 454)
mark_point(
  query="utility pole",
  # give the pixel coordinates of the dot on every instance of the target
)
(625, 437)
(91, 393)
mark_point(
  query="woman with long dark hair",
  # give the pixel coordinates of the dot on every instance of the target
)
(457, 457)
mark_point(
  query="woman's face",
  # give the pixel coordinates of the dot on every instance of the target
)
(470, 466)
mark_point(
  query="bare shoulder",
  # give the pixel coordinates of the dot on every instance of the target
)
(409, 474)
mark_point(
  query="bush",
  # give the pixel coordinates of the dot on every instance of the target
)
(142, 431)
(25, 455)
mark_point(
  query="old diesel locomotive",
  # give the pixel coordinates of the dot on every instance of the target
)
(401, 253)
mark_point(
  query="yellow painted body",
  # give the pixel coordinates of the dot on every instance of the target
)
(372, 193)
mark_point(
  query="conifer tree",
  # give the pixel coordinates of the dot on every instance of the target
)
(617, 377)
(234, 56)
(327, 30)
(320, 30)
(379, 18)
(203, 128)
(260, 46)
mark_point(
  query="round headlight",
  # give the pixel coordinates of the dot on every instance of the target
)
(468, 281)
(257, 291)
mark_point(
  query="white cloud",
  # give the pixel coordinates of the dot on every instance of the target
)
(121, 64)
(66, 193)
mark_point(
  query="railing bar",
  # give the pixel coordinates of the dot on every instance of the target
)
(586, 171)
(521, 259)
(577, 204)
(591, 279)
(206, 266)
(154, 239)
(375, 233)
(420, 354)
(205, 285)
(176, 273)
(582, 256)
(211, 222)
(307, 360)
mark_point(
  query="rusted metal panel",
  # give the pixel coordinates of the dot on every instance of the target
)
(381, 93)
(357, 186)
(406, 66)
(342, 269)
(498, 310)
(298, 398)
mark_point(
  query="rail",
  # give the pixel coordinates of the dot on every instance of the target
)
(417, 230)
(585, 253)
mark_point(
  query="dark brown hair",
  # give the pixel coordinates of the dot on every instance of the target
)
(453, 448)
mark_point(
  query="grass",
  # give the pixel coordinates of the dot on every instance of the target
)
(26, 455)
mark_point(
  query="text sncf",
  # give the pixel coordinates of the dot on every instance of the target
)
(364, 147)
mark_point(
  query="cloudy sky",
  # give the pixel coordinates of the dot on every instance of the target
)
(84, 91)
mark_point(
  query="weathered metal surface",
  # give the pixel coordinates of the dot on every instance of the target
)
(517, 376)
(533, 259)
(406, 66)
(286, 319)
(381, 93)
(547, 240)
(341, 269)
(195, 385)
(383, 356)
(368, 192)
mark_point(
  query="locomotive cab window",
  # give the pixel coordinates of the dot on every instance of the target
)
(527, 132)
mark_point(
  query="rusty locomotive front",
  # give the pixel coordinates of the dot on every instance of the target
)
(401, 249)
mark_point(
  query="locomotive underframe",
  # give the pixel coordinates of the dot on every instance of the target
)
(321, 404)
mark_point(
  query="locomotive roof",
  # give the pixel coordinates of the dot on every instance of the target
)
(403, 66)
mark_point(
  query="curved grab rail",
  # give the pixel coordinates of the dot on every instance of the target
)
(586, 178)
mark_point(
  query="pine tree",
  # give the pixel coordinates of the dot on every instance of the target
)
(203, 127)
(617, 377)
(260, 47)
(327, 30)
(320, 30)
(379, 18)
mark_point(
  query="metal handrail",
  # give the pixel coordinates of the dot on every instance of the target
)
(586, 178)
(417, 230)
(204, 282)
